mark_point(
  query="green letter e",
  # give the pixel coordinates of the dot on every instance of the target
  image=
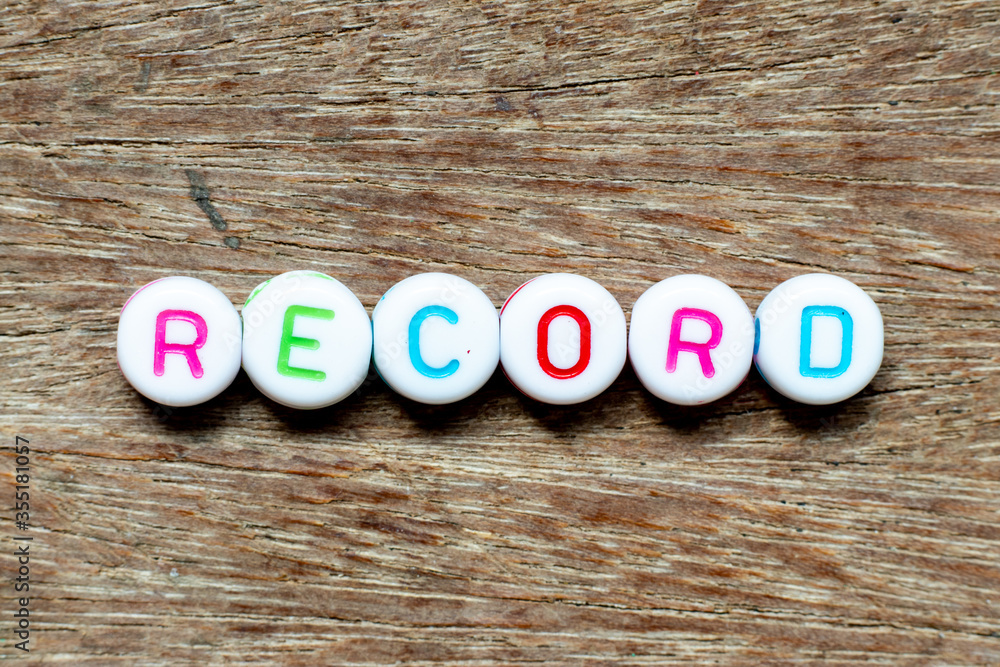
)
(288, 341)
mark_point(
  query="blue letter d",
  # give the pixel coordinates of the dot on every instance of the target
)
(805, 343)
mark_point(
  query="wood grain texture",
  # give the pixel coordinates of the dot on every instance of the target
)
(625, 140)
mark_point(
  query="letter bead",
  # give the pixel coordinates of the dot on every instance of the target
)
(562, 338)
(307, 340)
(691, 339)
(437, 338)
(179, 341)
(820, 339)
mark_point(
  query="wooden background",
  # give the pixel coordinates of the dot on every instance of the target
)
(624, 140)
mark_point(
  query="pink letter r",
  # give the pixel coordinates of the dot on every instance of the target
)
(190, 350)
(701, 349)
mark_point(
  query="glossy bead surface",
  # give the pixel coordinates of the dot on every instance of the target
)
(179, 341)
(820, 339)
(437, 338)
(691, 339)
(307, 340)
(562, 338)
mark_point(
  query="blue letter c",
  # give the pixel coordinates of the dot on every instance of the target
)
(418, 362)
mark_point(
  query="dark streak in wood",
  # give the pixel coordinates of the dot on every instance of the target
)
(143, 83)
(202, 197)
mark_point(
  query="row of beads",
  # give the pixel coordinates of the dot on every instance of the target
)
(305, 340)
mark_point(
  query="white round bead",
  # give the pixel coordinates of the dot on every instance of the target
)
(437, 338)
(819, 339)
(307, 340)
(179, 341)
(691, 339)
(562, 338)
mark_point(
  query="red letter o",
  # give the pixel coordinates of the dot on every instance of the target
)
(543, 342)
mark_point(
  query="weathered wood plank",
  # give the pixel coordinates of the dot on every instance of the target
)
(627, 141)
